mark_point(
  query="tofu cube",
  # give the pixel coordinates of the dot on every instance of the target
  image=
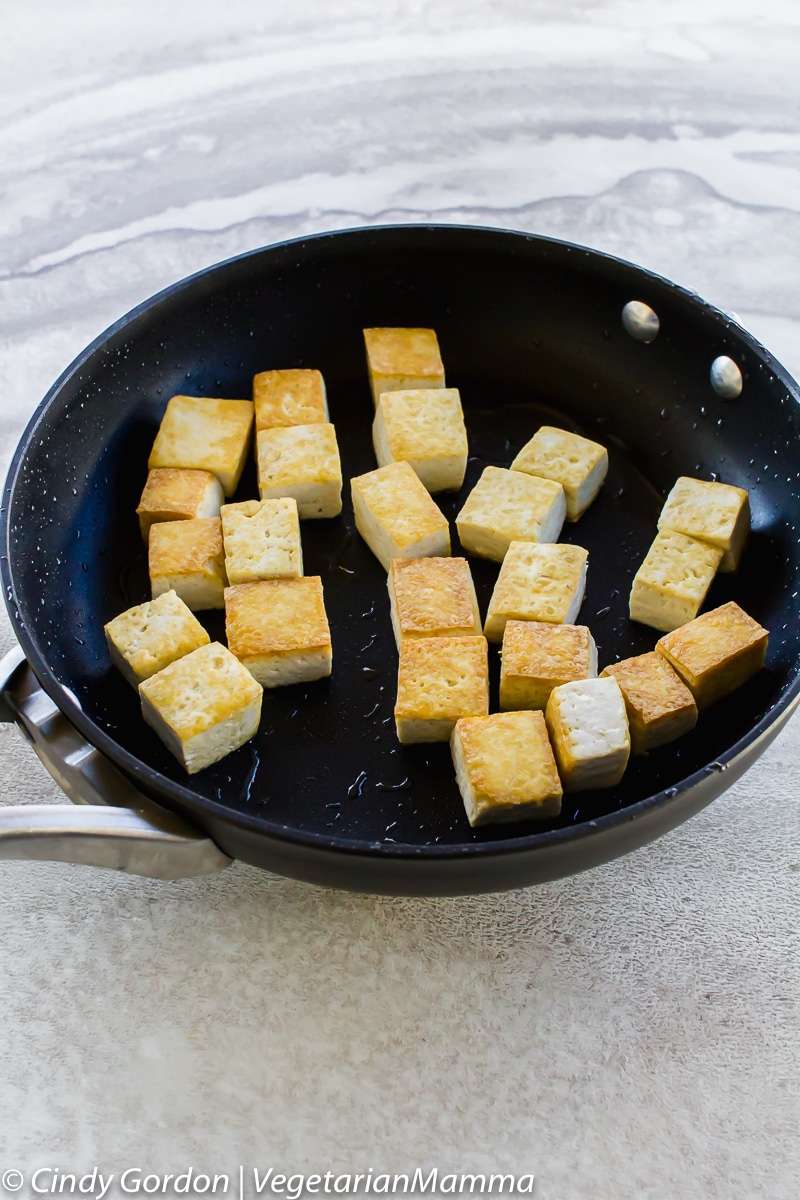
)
(538, 656)
(402, 359)
(673, 580)
(432, 597)
(588, 728)
(188, 557)
(537, 583)
(660, 707)
(505, 768)
(426, 429)
(717, 652)
(203, 706)
(176, 494)
(148, 637)
(301, 461)
(396, 516)
(440, 680)
(290, 397)
(205, 435)
(509, 506)
(717, 513)
(262, 540)
(577, 463)
(278, 629)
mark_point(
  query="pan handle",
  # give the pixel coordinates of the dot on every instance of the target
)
(115, 825)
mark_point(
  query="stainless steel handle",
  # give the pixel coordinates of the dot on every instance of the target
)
(115, 825)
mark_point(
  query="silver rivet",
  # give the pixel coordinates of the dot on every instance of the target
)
(640, 321)
(726, 378)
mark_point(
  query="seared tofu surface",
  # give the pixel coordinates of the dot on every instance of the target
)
(537, 583)
(538, 656)
(262, 540)
(578, 464)
(301, 461)
(295, 396)
(507, 506)
(432, 597)
(396, 516)
(148, 637)
(178, 494)
(203, 706)
(426, 429)
(660, 707)
(505, 768)
(716, 513)
(717, 652)
(672, 582)
(188, 557)
(205, 434)
(440, 680)
(278, 629)
(400, 359)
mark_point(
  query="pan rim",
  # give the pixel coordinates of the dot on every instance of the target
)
(185, 798)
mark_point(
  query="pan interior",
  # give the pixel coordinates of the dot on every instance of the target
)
(530, 333)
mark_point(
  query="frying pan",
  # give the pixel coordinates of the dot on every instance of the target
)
(530, 332)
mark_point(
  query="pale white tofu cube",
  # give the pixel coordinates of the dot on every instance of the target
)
(426, 429)
(432, 597)
(399, 359)
(717, 652)
(537, 583)
(396, 516)
(440, 680)
(301, 461)
(588, 727)
(673, 580)
(148, 637)
(505, 768)
(203, 706)
(538, 656)
(578, 464)
(262, 540)
(509, 506)
(189, 558)
(205, 435)
(178, 494)
(716, 513)
(278, 629)
(660, 706)
(290, 397)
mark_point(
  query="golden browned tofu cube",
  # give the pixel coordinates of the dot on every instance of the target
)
(262, 540)
(432, 597)
(148, 637)
(205, 435)
(301, 461)
(426, 429)
(577, 463)
(290, 397)
(538, 656)
(660, 707)
(717, 652)
(505, 768)
(396, 516)
(401, 359)
(203, 706)
(440, 680)
(588, 728)
(717, 513)
(279, 630)
(189, 558)
(673, 580)
(509, 506)
(176, 494)
(537, 583)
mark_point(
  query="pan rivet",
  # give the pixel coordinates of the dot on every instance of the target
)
(640, 321)
(726, 378)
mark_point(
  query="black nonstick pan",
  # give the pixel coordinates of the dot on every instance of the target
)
(531, 332)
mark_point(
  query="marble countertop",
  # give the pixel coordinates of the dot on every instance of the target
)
(631, 1032)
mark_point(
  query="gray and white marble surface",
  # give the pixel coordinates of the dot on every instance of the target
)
(632, 1032)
